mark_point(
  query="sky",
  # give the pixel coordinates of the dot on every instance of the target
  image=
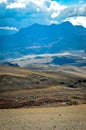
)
(17, 14)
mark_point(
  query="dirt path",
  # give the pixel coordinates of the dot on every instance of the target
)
(55, 118)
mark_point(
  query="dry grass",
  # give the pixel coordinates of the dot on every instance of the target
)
(21, 72)
(14, 71)
(51, 96)
(25, 88)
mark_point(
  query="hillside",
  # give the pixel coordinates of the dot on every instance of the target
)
(25, 88)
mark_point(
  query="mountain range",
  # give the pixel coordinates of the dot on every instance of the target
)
(39, 39)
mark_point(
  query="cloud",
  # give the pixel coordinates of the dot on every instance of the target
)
(80, 20)
(76, 14)
(24, 3)
(15, 5)
(3, 1)
(22, 13)
(54, 14)
(26, 12)
(9, 28)
(55, 8)
(73, 11)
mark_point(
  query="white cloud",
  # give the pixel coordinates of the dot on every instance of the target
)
(75, 10)
(54, 14)
(54, 22)
(55, 8)
(48, 6)
(76, 14)
(24, 3)
(3, 1)
(9, 28)
(37, 2)
(82, 10)
(15, 5)
(45, 9)
(42, 12)
(79, 20)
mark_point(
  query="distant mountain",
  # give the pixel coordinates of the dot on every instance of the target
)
(6, 32)
(9, 64)
(39, 39)
(69, 60)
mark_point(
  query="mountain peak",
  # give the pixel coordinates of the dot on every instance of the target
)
(67, 23)
(35, 24)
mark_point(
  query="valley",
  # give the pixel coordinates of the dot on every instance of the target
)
(42, 65)
(43, 78)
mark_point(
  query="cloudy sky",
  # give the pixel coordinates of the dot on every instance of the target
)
(16, 14)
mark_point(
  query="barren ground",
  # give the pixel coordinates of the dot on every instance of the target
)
(54, 118)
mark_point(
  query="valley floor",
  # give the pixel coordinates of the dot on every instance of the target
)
(52, 118)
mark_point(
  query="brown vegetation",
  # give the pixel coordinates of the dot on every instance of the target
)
(24, 88)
